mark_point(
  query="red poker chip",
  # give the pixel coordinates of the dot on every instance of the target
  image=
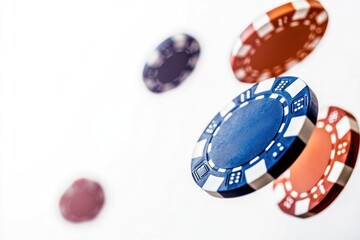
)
(317, 177)
(278, 40)
(82, 201)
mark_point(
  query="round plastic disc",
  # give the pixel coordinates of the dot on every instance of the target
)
(171, 63)
(278, 40)
(82, 201)
(316, 178)
(255, 138)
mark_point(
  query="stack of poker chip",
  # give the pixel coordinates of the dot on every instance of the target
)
(274, 131)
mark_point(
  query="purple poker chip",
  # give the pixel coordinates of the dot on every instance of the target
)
(171, 63)
(82, 201)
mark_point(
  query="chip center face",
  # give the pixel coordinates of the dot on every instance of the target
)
(82, 204)
(280, 48)
(246, 133)
(310, 166)
(173, 67)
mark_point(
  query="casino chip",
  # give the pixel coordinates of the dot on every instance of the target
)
(171, 63)
(314, 181)
(82, 201)
(278, 40)
(255, 138)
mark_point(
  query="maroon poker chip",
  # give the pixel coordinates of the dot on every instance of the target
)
(82, 201)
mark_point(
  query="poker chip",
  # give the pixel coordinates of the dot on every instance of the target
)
(82, 201)
(278, 40)
(255, 138)
(171, 63)
(316, 178)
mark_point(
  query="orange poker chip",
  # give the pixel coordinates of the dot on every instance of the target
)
(278, 40)
(319, 174)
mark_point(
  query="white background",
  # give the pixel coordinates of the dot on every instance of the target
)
(73, 105)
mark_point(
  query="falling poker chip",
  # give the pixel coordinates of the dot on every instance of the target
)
(278, 40)
(255, 138)
(314, 181)
(82, 201)
(171, 63)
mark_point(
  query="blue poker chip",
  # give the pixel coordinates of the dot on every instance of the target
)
(171, 63)
(255, 138)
